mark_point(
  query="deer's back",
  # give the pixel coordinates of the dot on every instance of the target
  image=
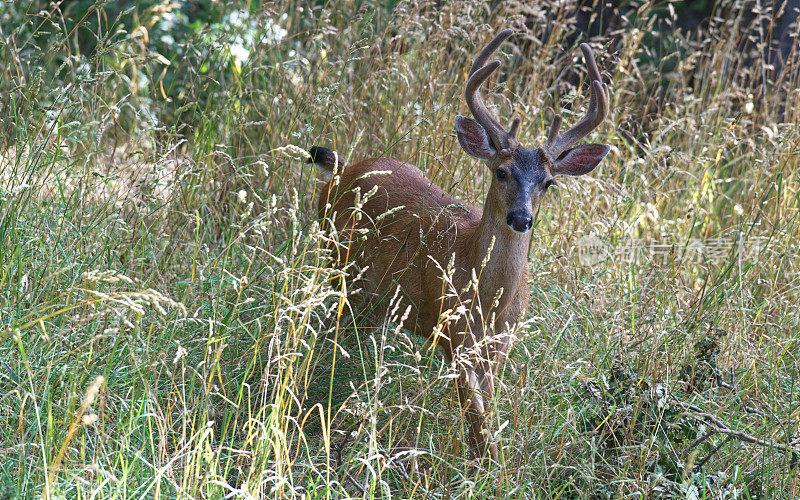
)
(404, 233)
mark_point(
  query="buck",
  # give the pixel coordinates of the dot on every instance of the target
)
(461, 271)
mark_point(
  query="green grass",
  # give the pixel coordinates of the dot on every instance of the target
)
(158, 244)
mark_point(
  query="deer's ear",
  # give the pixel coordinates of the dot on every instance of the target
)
(473, 138)
(581, 159)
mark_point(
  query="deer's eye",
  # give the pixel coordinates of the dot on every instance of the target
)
(501, 174)
(549, 183)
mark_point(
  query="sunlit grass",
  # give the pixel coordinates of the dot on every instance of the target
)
(169, 325)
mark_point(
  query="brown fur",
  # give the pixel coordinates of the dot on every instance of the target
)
(403, 249)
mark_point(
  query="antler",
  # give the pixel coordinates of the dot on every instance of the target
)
(503, 141)
(597, 112)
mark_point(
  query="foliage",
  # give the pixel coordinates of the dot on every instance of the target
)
(169, 324)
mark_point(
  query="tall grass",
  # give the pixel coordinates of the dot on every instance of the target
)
(169, 324)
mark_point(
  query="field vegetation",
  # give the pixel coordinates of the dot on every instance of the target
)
(170, 326)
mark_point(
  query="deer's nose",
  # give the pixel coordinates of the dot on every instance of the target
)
(519, 220)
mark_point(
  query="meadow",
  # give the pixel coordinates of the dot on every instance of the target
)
(170, 326)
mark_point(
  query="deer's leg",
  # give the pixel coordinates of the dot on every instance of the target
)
(474, 394)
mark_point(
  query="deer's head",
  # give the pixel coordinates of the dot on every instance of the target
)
(521, 176)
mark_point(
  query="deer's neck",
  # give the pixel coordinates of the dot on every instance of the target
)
(506, 267)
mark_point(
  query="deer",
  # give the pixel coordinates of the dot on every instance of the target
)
(461, 272)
